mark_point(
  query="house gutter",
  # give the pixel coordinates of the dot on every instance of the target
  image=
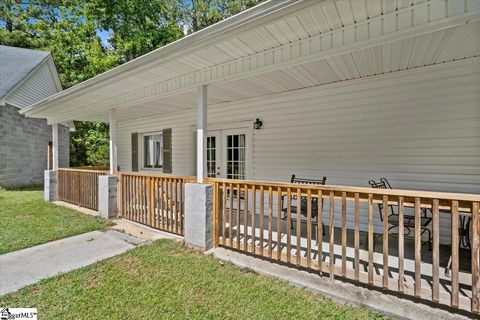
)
(253, 16)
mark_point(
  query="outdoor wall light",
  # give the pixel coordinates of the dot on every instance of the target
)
(257, 124)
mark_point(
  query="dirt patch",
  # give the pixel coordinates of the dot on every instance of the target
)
(130, 265)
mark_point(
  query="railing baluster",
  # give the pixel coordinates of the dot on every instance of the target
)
(163, 204)
(254, 210)
(370, 239)
(356, 239)
(298, 234)
(401, 251)
(344, 234)
(172, 206)
(475, 305)
(224, 213)
(436, 251)
(230, 218)
(455, 252)
(262, 217)
(182, 208)
(320, 231)
(289, 224)
(418, 250)
(270, 220)
(151, 203)
(245, 219)
(332, 236)
(157, 203)
(140, 199)
(175, 205)
(135, 198)
(279, 223)
(238, 216)
(309, 228)
(145, 200)
(385, 240)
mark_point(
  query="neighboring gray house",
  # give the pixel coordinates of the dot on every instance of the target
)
(26, 76)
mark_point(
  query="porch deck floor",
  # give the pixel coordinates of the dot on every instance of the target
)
(409, 256)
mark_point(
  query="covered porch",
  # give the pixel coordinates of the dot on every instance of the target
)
(311, 89)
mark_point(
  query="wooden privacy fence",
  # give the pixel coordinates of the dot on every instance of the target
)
(154, 200)
(259, 218)
(79, 187)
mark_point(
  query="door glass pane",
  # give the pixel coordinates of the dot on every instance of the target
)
(211, 157)
(236, 156)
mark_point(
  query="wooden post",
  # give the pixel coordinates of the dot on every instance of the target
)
(475, 305)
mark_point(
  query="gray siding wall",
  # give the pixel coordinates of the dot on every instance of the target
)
(24, 148)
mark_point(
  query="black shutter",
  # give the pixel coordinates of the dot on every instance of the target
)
(135, 152)
(167, 150)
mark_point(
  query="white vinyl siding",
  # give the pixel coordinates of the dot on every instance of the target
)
(419, 128)
(38, 86)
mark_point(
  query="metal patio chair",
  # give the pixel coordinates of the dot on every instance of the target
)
(408, 220)
(303, 202)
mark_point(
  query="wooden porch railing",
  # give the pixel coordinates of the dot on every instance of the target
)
(79, 187)
(154, 200)
(247, 219)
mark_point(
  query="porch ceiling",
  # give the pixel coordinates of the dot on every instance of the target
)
(284, 46)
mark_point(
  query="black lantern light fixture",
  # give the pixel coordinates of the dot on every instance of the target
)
(257, 124)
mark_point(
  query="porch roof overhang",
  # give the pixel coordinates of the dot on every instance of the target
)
(275, 47)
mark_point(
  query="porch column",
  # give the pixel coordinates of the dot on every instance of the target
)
(198, 196)
(107, 185)
(201, 132)
(50, 176)
(55, 146)
(113, 140)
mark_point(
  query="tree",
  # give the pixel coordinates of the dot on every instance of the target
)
(58, 26)
(199, 14)
(136, 27)
(89, 144)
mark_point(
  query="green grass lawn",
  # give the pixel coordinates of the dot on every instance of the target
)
(164, 280)
(27, 220)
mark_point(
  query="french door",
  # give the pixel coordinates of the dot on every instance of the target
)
(228, 153)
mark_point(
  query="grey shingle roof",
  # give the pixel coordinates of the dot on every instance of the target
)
(15, 64)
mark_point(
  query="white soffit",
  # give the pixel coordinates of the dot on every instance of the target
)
(325, 42)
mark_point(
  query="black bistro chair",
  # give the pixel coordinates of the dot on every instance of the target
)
(303, 202)
(408, 220)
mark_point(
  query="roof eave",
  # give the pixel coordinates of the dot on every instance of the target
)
(169, 51)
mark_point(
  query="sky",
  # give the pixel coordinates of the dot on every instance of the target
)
(103, 34)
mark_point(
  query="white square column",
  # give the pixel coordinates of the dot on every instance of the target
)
(201, 133)
(113, 140)
(55, 146)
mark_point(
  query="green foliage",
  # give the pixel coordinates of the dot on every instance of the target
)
(89, 144)
(58, 26)
(136, 27)
(199, 14)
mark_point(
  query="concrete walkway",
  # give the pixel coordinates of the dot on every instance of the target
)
(28, 266)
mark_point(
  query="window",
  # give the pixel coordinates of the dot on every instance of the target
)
(153, 150)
